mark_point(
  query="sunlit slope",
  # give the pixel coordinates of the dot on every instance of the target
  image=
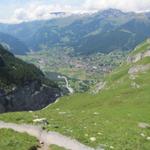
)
(11, 140)
(111, 118)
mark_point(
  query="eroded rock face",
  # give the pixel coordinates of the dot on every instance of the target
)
(2, 64)
(138, 69)
(33, 96)
(137, 57)
(100, 86)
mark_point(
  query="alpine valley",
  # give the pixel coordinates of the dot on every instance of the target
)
(83, 76)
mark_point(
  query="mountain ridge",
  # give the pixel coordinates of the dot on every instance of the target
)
(75, 32)
(13, 44)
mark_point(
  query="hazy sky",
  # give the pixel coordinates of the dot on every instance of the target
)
(25, 10)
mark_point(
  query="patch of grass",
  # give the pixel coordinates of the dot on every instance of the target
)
(144, 61)
(55, 147)
(142, 47)
(110, 117)
(11, 140)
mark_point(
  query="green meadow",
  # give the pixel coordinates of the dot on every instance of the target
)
(11, 140)
(109, 119)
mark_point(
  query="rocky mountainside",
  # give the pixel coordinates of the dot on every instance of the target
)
(23, 86)
(136, 68)
(103, 31)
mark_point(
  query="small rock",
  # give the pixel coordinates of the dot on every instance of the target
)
(95, 113)
(135, 85)
(41, 121)
(111, 147)
(148, 138)
(41, 142)
(99, 133)
(93, 139)
(142, 134)
(143, 125)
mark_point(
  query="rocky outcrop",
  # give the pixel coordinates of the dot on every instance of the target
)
(135, 85)
(32, 96)
(23, 86)
(137, 57)
(99, 86)
(139, 69)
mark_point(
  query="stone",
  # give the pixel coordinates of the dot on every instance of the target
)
(92, 139)
(137, 57)
(41, 121)
(148, 138)
(143, 125)
(28, 97)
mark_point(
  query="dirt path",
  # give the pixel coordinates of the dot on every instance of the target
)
(47, 138)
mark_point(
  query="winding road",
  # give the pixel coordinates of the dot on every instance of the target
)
(48, 138)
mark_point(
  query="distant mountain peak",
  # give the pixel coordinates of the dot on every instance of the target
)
(112, 12)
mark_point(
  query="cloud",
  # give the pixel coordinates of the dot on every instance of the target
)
(125, 5)
(41, 9)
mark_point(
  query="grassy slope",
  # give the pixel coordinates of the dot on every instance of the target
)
(111, 116)
(11, 140)
(142, 47)
(54, 147)
(15, 72)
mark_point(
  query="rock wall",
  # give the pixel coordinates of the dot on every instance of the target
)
(137, 57)
(33, 96)
(139, 69)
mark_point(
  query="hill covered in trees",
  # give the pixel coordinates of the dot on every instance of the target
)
(22, 85)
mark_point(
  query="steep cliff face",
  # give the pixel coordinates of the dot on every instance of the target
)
(1, 62)
(32, 96)
(23, 86)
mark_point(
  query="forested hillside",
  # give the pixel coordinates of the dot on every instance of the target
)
(23, 84)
